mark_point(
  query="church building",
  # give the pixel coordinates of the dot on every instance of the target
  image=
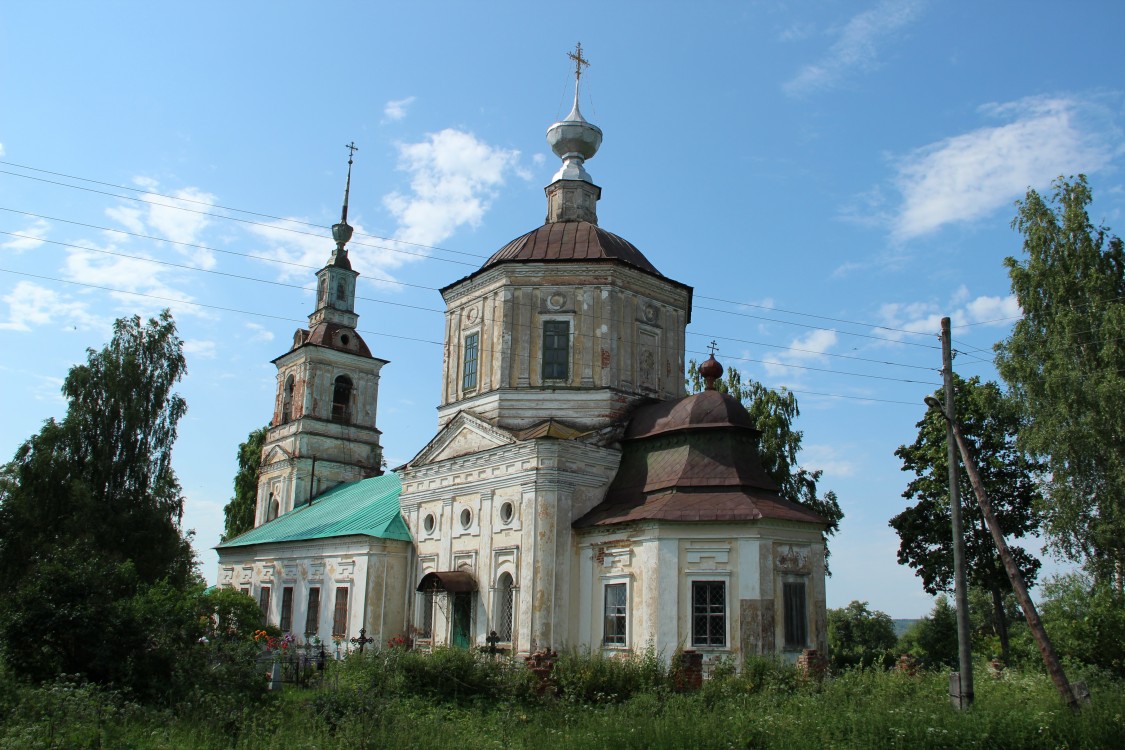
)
(573, 496)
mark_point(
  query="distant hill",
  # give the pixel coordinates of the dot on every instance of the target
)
(901, 626)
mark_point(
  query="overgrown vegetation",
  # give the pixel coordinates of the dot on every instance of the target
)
(393, 698)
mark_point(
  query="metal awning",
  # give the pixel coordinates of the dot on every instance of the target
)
(454, 581)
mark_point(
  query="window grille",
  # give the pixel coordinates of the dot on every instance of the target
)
(312, 613)
(506, 610)
(796, 616)
(469, 369)
(340, 615)
(615, 614)
(426, 619)
(286, 623)
(556, 349)
(708, 613)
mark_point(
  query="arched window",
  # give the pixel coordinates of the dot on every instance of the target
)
(322, 292)
(341, 294)
(287, 401)
(505, 608)
(341, 399)
(272, 508)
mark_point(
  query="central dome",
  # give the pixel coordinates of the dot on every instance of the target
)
(571, 241)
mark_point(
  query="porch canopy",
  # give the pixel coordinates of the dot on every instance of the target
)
(454, 581)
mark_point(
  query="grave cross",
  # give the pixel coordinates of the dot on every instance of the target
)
(363, 640)
(492, 640)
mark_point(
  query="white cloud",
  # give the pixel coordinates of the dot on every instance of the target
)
(91, 264)
(453, 178)
(200, 348)
(810, 348)
(1, 149)
(395, 109)
(259, 332)
(32, 306)
(855, 46)
(180, 217)
(969, 176)
(828, 458)
(30, 237)
(961, 308)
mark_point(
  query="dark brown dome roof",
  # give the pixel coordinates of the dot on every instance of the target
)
(706, 409)
(569, 241)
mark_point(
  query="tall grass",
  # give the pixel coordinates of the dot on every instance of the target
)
(455, 699)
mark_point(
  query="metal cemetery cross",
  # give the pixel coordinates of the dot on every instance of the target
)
(492, 640)
(363, 640)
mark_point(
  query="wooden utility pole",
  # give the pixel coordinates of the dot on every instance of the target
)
(960, 683)
(1019, 588)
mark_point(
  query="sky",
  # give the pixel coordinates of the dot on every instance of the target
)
(831, 177)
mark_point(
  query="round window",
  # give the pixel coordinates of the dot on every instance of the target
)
(344, 339)
(428, 523)
(506, 513)
(466, 518)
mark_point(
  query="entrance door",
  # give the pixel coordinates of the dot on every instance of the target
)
(462, 618)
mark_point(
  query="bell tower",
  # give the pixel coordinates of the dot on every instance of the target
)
(323, 430)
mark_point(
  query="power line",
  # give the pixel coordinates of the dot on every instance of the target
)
(809, 351)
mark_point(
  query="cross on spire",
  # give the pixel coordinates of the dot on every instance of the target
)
(712, 346)
(579, 63)
(352, 148)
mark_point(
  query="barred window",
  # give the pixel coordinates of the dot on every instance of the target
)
(341, 399)
(505, 607)
(556, 349)
(469, 368)
(286, 623)
(264, 603)
(426, 614)
(312, 613)
(708, 613)
(340, 615)
(616, 610)
(796, 616)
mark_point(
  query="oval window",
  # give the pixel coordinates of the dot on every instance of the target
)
(428, 523)
(466, 518)
(506, 513)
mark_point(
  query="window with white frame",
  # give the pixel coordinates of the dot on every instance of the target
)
(469, 362)
(264, 603)
(426, 613)
(795, 614)
(505, 607)
(616, 614)
(708, 613)
(286, 623)
(340, 612)
(312, 612)
(556, 349)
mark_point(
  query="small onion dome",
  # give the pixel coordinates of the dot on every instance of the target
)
(711, 371)
(574, 141)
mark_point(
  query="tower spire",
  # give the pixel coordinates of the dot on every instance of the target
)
(342, 232)
(579, 63)
(572, 194)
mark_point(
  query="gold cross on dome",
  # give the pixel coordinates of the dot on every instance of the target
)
(579, 61)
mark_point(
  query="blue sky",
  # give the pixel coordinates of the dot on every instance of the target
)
(831, 177)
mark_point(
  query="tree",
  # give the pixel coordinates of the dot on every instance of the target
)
(90, 509)
(240, 510)
(859, 637)
(1086, 618)
(1065, 364)
(774, 413)
(933, 639)
(1011, 478)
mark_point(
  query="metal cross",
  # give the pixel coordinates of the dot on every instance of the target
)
(492, 640)
(352, 148)
(363, 640)
(713, 346)
(579, 61)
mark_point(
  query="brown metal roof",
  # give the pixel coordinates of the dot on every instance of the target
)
(702, 410)
(675, 505)
(568, 241)
(455, 581)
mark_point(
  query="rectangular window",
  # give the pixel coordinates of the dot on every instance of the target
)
(708, 613)
(286, 623)
(426, 615)
(264, 603)
(340, 615)
(312, 614)
(469, 368)
(796, 616)
(616, 608)
(246, 590)
(556, 349)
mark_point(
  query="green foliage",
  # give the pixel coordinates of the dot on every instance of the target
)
(860, 637)
(239, 512)
(1085, 618)
(594, 678)
(1011, 478)
(933, 639)
(774, 413)
(1065, 363)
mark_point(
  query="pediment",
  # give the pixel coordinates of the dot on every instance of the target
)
(463, 435)
(276, 454)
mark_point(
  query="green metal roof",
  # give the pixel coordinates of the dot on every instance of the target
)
(369, 507)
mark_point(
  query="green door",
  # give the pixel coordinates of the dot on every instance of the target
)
(462, 618)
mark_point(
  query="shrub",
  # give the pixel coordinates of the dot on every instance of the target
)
(592, 677)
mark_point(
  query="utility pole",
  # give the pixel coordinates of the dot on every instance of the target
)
(960, 683)
(1072, 696)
